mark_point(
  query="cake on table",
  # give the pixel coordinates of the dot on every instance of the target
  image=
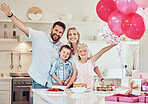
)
(105, 88)
(80, 84)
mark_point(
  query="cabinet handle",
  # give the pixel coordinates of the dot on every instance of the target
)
(24, 86)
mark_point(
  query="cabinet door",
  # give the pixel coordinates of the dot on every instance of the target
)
(4, 101)
(4, 95)
(4, 85)
(38, 100)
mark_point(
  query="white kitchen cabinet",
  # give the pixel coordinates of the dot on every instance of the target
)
(5, 91)
(38, 100)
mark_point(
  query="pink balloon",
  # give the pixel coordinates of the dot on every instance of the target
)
(133, 26)
(126, 6)
(104, 8)
(142, 3)
(114, 22)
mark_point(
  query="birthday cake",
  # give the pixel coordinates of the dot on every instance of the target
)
(80, 84)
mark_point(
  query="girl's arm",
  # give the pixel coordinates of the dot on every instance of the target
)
(73, 77)
(95, 57)
(5, 8)
(68, 79)
(57, 79)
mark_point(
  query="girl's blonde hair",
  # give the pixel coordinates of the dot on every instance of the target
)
(89, 52)
(73, 28)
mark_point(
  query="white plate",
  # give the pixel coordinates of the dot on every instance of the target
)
(104, 92)
(78, 90)
(54, 92)
(89, 90)
(60, 87)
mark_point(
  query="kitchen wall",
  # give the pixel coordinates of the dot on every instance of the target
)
(52, 10)
(144, 53)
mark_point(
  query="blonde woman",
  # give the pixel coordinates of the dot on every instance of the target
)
(73, 38)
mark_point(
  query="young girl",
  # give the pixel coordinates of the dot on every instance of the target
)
(73, 38)
(84, 66)
(61, 69)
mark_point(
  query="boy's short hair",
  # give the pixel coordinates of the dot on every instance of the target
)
(68, 47)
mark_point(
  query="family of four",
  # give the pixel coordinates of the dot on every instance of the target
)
(55, 63)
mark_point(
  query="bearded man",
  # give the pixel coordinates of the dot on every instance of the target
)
(45, 48)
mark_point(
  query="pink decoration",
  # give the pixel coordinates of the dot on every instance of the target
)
(133, 26)
(143, 99)
(114, 22)
(112, 98)
(142, 3)
(123, 98)
(120, 55)
(107, 35)
(139, 75)
(144, 14)
(126, 6)
(128, 99)
(104, 8)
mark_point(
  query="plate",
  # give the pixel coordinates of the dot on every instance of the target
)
(89, 90)
(54, 92)
(78, 90)
(104, 92)
(60, 87)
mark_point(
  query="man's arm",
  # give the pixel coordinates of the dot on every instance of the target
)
(5, 8)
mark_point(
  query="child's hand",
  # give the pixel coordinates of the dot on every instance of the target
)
(60, 82)
(65, 83)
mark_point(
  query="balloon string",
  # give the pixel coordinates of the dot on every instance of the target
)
(120, 55)
(144, 14)
(137, 55)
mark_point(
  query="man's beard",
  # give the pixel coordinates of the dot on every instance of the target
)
(54, 34)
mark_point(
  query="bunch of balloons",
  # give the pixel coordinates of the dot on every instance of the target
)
(122, 18)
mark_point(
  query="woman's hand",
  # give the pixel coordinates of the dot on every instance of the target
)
(5, 8)
(103, 83)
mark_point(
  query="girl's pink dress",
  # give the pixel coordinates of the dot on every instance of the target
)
(85, 72)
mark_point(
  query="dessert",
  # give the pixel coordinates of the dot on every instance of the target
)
(80, 84)
(104, 89)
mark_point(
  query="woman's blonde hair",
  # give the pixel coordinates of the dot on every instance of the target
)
(73, 28)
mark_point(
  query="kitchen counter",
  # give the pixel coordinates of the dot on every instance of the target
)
(40, 96)
(6, 77)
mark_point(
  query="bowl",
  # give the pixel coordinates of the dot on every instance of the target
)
(66, 17)
(60, 87)
(78, 89)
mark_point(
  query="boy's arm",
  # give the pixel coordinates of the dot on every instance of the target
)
(52, 72)
(57, 79)
(73, 77)
(95, 57)
(5, 8)
(68, 79)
